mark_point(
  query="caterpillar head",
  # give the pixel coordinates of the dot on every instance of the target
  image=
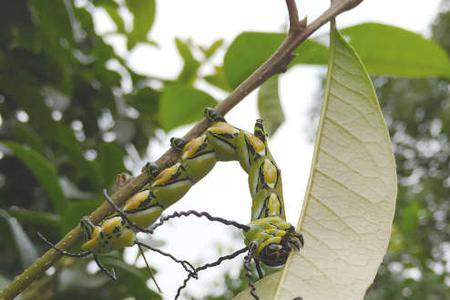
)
(275, 254)
(274, 239)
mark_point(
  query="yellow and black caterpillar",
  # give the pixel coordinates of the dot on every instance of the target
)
(268, 237)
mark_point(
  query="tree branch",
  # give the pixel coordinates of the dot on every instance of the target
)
(275, 64)
(295, 25)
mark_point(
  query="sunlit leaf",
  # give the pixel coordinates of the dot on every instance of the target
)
(269, 105)
(143, 17)
(250, 49)
(182, 105)
(44, 171)
(191, 65)
(211, 50)
(350, 200)
(218, 79)
(390, 50)
(385, 49)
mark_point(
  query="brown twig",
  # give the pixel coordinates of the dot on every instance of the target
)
(275, 64)
(295, 25)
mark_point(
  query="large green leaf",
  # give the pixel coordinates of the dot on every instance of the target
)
(350, 200)
(385, 49)
(389, 50)
(182, 105)
(44, 171)
(269, 105)
(24, 246)
(250, 49)
(143, 17)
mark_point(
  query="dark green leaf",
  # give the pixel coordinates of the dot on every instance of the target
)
(110, 158)
(250, 49)
(24, 246)
(39, 218)
(75, 211)
(269, 105)
(182, 105)
(191, 65)
(44, 171)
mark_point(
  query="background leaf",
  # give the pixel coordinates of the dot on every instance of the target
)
(250, 49)
(182, 105)
(143, 17)
(269, 105)
(189, 72)
(390, 50)
(385, 49)
(24, 246)
(44, 171)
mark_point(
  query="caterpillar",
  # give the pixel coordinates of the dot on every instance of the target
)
(268, 237)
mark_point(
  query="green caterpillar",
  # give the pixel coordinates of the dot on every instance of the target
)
(269, 237)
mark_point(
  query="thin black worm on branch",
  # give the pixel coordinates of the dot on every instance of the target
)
(209, 265)
(198, 214)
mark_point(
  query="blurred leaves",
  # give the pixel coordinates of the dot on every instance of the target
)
(44, 171)
(385, 50)
(269, 106)
(250, 49)
(404, 53)
(144, 12)
(181, 105)
(191, 65)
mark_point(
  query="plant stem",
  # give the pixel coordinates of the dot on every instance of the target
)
(275, 64)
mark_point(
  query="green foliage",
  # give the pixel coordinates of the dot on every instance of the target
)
(181, 104)
(69, 116)
(269, 105)
(43, 170)
(404, 53)
(70, 109)
(143, 16)
(418, 112)
(384, 49)
(250, 49)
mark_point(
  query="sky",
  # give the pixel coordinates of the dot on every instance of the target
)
(224, 191)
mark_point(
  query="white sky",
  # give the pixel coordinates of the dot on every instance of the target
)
(224, 191)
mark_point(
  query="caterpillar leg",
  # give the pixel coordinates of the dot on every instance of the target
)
(111, 274)
(258, 268)
(259, 130)
(177, 143)
(152, 169)
(213, 116)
